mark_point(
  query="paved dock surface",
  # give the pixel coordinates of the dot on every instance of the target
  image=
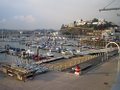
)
(100, 78)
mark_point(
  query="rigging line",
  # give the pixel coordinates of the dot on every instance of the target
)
(110, 3)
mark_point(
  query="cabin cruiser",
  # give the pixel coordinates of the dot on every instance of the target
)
(30, 52)
(50, 54)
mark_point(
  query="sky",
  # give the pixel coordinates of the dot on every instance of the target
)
(51, 14)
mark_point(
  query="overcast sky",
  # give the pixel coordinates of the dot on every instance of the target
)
(39, 14)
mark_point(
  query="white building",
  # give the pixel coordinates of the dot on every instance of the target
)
(100, 21)
(71, 25)
(108, 34)
(80, 22)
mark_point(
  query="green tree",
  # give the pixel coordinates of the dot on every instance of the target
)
(95, 20)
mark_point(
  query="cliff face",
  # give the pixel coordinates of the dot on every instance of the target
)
(85, 27)
(76, 31)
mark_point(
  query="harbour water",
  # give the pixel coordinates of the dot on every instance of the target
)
(69, 44)
(14, 59)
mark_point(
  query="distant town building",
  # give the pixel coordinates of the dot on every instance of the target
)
(80, 22)
(97, 28)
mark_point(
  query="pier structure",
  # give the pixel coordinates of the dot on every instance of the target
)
(91, 57)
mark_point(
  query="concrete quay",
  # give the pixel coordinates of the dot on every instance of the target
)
(100, 78)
